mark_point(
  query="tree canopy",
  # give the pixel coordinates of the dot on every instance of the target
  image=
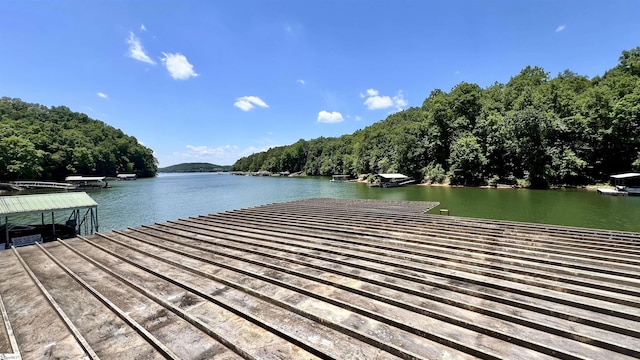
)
(565, 130)
(37, 142)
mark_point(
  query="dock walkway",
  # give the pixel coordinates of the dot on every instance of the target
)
(44, 185)
(328, 279)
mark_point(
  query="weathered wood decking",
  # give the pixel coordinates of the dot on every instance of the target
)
(330, 279)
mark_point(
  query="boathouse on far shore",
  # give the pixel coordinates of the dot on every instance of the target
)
(326, 279)
(127, 176)
(87, 182)
(393, 180)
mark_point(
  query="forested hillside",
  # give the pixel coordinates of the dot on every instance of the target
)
(568, 129)
(194, 167)
(37, 142)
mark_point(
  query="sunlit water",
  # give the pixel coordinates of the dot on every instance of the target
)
(174, 196)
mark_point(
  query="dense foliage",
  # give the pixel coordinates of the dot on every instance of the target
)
(565, 130)
(194, 167)
(37, 142)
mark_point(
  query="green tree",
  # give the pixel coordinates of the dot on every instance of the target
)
(563, 130)
(466, 105)
(83, 161)
(630, 61)
(520, 87)
(19, 158)
(528, 130)
(467, 161)
(68, 142)
(636, 164)
(566, 167)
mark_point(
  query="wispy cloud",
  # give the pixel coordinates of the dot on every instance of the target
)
(136, 51)
(102, 95)
(399, 100)
(375, 101)
(330, 117)
(292, 30)
(222, 155)
(178, 66)
(142, 27)
(300, 81)
(247, 103)
(215, 152)
(561, 28)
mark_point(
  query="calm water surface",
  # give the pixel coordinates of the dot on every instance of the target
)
(174, 196)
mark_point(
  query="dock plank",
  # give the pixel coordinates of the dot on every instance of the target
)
(328, 279)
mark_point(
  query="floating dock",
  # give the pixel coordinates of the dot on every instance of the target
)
(327, 279)
(612, 192)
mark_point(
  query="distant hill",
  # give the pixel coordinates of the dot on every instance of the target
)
(194, 167)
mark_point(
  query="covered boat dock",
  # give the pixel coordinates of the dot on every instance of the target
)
(326, 279)
(87, 182)
(82, 217)
(623, 184)
(628, 182)
(392, 180)
(127, 176)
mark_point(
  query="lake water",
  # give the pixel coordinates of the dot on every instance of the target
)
(174, 196)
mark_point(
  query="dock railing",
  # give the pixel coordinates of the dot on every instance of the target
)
(44, 185)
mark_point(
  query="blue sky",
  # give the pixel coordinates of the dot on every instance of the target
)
(217, 80)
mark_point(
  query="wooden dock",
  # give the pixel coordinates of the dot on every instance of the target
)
(44, 185)
(327, 279)
(612, 192)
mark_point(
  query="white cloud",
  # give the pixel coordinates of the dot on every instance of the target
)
(202, 150)
(142, 27)
(372, 92)
(560, 28)
(103, 95)
(375, 101)
(247, 103)
(358, 118)
(330, 117)
(178, 66)
(221, 155)
(399, 100)
(136, 51)
(378, 102)
(300, 81)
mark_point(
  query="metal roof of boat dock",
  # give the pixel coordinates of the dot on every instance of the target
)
(22, 204)
(393, 176)
(328, 279)
(625, 175)
(84, 178)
